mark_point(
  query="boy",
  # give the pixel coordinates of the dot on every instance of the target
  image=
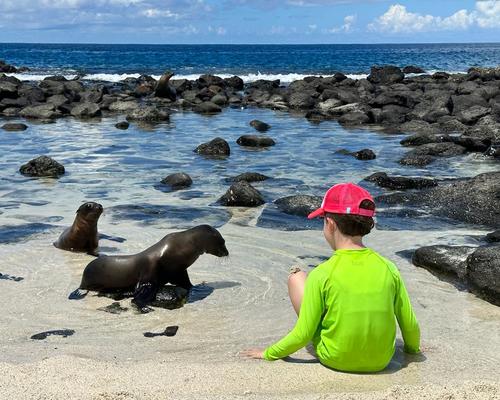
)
(348, 304)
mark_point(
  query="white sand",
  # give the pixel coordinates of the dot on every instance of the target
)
(109, 358)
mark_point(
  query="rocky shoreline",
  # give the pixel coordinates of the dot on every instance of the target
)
(443, 115)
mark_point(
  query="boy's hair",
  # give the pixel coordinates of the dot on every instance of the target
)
(354, 225)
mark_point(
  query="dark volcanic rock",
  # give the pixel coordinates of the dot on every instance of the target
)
(4, 67)
(179, 180)
(207, 107)
(419, 139)
(234, 82)
(14, 127)
(122, 125)
(493, 237)
(411, 69)
(259, 125)
(301, 205)
(86, 110)
(217, 147)
(248, 177)
(447, 259)
(424, 154)
(148, 114)
(483, 272)
(255, 141)
(400, 182)
(43, 111)
(493, 151)
(42, 166)
(242, 194)
(365, 154)
(472, 200)
(385, 74)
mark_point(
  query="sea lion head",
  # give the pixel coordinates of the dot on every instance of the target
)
(213, 241)
(90, 210)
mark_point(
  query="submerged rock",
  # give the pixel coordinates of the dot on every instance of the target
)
(179, 180)
(14, 127)
(122, 125)
(400, 182)
(248, 177)
(217, 147)
(42, 166)
(301, 205)
(364, 154)
(259, 125)
(255, 141)
(242, 194)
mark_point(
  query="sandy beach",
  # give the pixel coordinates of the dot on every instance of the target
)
(109, 358)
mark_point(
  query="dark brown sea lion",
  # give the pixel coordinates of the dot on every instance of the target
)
(82, 235)
(144, 273)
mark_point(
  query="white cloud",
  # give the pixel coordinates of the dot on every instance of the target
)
(155, 13)
(217, 30)
(398, 19)
(346, 27)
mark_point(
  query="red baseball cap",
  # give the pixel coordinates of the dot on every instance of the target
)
(344, 198)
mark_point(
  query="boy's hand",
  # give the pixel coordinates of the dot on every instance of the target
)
(253, 353)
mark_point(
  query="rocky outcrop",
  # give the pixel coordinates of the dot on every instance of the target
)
(42, 166)
(483, 272)
(444, 259)
(217, 147)
(242, 194)
(400, 182)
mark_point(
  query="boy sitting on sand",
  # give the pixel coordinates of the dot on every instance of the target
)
(346, 306)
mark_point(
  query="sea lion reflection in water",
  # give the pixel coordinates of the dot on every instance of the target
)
(144, 273)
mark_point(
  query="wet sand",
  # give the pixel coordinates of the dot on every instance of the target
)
(109, 358)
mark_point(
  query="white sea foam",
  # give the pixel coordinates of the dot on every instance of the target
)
(247, 78)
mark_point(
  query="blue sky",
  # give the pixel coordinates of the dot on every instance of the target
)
(249, 21)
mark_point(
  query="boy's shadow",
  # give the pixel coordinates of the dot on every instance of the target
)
(399, 361)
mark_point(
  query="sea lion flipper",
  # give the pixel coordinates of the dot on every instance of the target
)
(144, 293)
(77, 294)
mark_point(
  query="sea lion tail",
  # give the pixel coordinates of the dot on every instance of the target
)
(77, 294)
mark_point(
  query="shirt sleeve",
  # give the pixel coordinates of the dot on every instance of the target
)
(406, 318)
(311, 310)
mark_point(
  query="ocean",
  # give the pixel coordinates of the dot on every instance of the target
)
(111, 62)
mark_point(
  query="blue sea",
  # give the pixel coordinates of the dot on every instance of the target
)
(285, 62)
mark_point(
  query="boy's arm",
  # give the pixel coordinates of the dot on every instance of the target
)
(406, 318)
(310, 314)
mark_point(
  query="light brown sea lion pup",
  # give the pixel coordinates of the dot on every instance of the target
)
(82, 236)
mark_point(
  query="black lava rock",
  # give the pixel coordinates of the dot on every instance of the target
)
(259, 125)
(217, 147)
(42, 166)
(242, 194)
(255, 141)
(14, 127)
(400, 182)
(179, 180)
(248, 177)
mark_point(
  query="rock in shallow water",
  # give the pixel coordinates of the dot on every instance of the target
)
(242, 194)
(42, 166)
(447, 259)
(179, 180)
(483, 272)
(14, 127)
(400, 182)
(248, 177)
(259, 125)
(301, 205)
(255, 141)
(122, 125)
(217, 147)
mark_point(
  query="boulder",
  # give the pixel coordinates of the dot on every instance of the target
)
(148, 114)
(493, 237)
(423, 154)
(248, 177)
(179, 180)
(472, 114)
(471, 200)
(43, 111)
(483, 272)
(385, 74)
(259, 125)
(255, 141)
(364, 154)
(411, 69)
(217, 147)
(301, 205)
(234, 82)
(122, 125)
(42, 166)
(419, 139)
(400, 182)
(86, 110)
(444, 259)
(164, 89)
(219, 99)
(302, 99)
(325, 106)
(4, 67)
(207, 107)
(242, 194)
(123, 106)
(354, 118)
(14, 127)
(8, 90)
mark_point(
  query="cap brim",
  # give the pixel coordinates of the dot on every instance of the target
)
(319, 212)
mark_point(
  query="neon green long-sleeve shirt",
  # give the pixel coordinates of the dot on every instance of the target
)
(349, 311)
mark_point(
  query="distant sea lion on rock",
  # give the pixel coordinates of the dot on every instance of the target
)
(82, 235)
(164, 262)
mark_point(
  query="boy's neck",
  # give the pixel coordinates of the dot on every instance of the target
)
(342, 242)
